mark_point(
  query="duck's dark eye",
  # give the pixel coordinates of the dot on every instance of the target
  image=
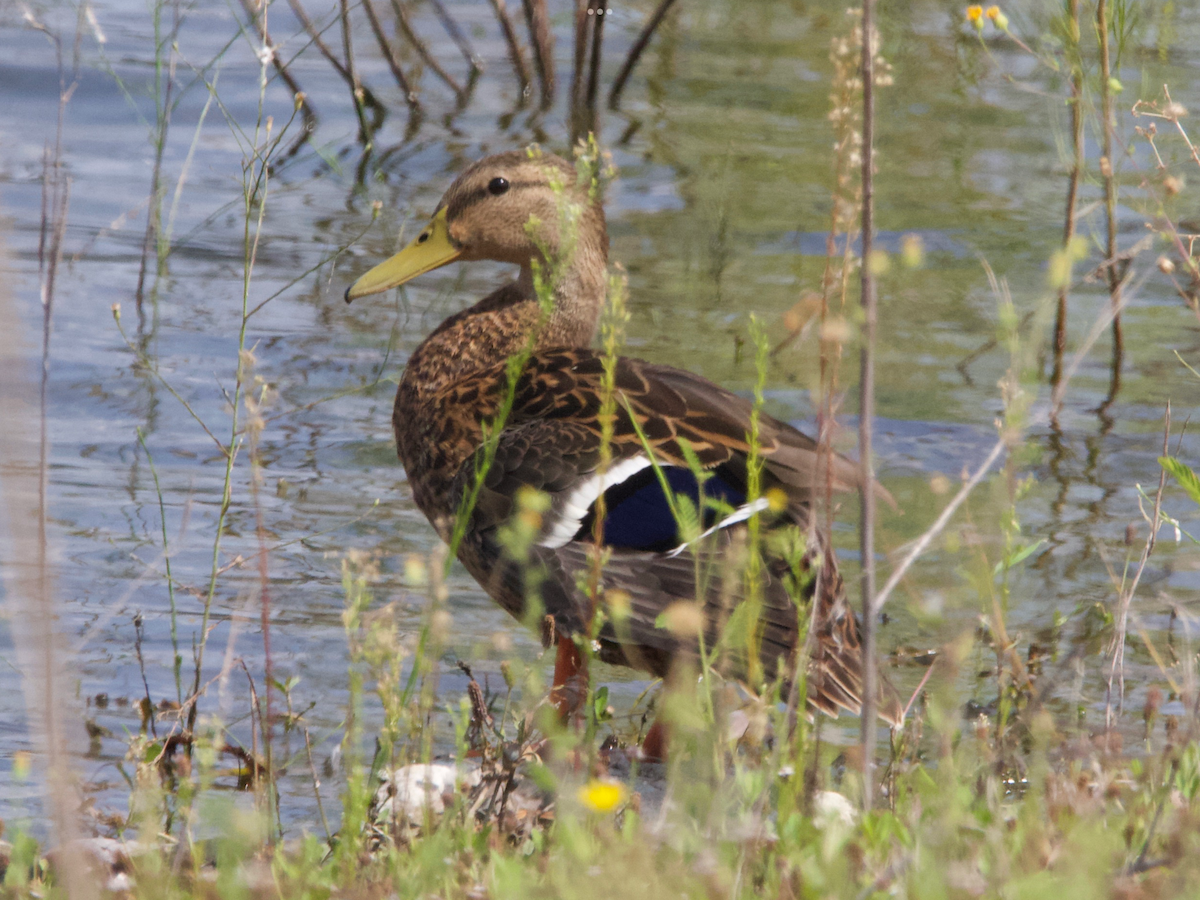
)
(498, 185)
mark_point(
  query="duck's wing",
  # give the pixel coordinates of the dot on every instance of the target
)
(552, 442)
(553, 434)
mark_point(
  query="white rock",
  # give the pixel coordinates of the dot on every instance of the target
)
(407, 792)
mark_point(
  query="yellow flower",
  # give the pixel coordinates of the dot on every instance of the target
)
(777, 500)
(602, 796)
(999, 19)
(975, 16)
(22, 764)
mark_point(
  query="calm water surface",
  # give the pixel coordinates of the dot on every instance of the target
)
(723, 147)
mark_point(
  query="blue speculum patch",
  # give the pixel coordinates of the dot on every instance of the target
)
(638, 516)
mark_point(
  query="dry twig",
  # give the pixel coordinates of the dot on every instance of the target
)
(515, 54)
(1110, 199)
(406, 28)
(636, 51)
(1117, 666)
(389, 55)
(1076, 103)
(537, 19)
(866, 420)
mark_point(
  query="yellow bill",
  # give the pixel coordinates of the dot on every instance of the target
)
(431, 249)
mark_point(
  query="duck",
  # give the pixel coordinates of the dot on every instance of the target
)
(506, 401)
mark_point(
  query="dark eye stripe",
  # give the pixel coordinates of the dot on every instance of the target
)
(458, 205)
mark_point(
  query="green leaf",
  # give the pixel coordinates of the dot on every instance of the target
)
(1182, 473)
(1019, 556)
(600, 705)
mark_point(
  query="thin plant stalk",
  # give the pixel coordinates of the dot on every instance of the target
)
(256, 177)
(270, 50)
(1117, 666)
(538, 21)
(515, 54)
(1110, 198)
(594, 62)
(589, 33)
(1056, 399)
(1076, 104)
(316, 786)
(163, 105)
(356, 89)
(866, 488)
(636, 51)
(385, 47)
(176, 658)
(169, 229)
(456, 35)
(362, 93)
(25, 456)
(410, 34)
(254, 427)
(1060, 390)
(943, 519)
(835, 283)
(582, 8)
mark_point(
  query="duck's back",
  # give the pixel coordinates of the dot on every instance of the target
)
(669, 428)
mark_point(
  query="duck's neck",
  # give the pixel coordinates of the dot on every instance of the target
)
(501, 324)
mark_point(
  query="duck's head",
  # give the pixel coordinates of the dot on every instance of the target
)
(512, 207)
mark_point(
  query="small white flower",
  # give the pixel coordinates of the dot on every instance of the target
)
(831, 809)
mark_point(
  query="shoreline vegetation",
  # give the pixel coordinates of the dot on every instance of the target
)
(483, 793)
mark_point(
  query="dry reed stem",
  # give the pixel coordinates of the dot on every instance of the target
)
(254, 429)
(636, 51)
(316, 784)
(1117, 666)
(410, 34)
(39, 655)
(582, 8)
(1170, 111)
(835, 280)
(341, 68)
(515, 54)
(24, 471)
(589, 32)
(1173, 115)
(594, 62)
(1110, 199)
(456, 35)
(1102, 321)
(256, 174)
(866, 421)
(922, 543)
(154, 212)
(537, 20)
(389, 55)
(357, 93)
(1077, 161)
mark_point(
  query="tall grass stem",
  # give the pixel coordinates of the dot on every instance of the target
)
(866, 422)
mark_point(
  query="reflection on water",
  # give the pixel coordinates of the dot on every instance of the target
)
(727, 158)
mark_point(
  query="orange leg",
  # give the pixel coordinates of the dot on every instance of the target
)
(570, 679)
(654, 744)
